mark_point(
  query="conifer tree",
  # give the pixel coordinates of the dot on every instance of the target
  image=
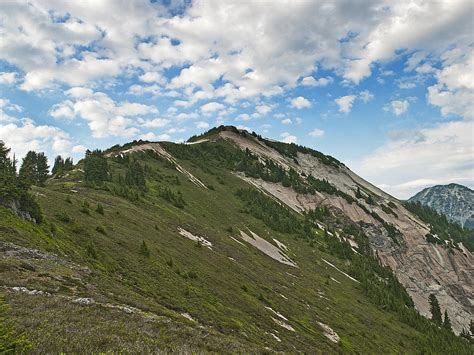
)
(96, 168)
(435, 310)
(135, 175)
(61, 165)
(447, 321)
(28, 168)
(42, 168)
(8, 183)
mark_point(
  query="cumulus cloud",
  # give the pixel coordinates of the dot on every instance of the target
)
(454, 91)
(202, 125)
(104, 116)
(288, 138)
(316, 133)
(412, 160)
(366, 96)
(263, 109)
(155, 123)
(397, 107)
(287, 121)
(311, 81)
(27, 135)
(300, 102)
(8, 78)
(211, 107)
(345, 103)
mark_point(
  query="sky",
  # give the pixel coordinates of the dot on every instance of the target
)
(387, 87)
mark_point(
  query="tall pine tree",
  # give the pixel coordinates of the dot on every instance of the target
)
(447, 321)
(42, 168)
(28, 168)
(8, 183)
(435, 310)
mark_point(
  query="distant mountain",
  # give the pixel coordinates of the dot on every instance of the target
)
(455, 201)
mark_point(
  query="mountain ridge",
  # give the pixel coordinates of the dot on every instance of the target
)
(206, 237)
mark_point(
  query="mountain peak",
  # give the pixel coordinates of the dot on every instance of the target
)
(453, 200)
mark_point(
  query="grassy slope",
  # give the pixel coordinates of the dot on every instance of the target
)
(225, 298)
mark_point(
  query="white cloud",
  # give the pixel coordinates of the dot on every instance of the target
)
(288, 138)
(7, 108)
(150, 136)
(263, 109)
(79, 149)
(412, 160)
(202, 125)
(438, 25)
(397, 107)
(155, 123)
(300, 102)
(286, 121)
(144, 89)
(311, 81)
(29, 136)
(243, 117)
(211, 107)
(64, 109)
(366, 96)
(8, 78)
(316, 133)
(104, 116)
(454, 91)
(345, 103)
(152, 77)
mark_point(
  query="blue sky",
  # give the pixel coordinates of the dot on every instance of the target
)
(387, 87)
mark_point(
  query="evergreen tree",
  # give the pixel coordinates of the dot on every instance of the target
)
(61, 165)
(96, 168)
(28, 168)
(8, 181)
(58, 165)
(34, 168)
(42, 168)
(447, 321)
(135, 175)
(435, 310)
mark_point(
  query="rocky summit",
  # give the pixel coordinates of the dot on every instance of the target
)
(454, 201)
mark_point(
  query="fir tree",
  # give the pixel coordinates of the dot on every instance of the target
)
(34, 168)
(435, 310)
(58, 165)
(447, 321)
(8, 181)
(135, 175)
(96, 168)
(28, 168)
(42, 168)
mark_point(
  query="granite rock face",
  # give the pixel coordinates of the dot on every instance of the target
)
(423, 268)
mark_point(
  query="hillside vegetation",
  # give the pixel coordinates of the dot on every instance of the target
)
(139, 252)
